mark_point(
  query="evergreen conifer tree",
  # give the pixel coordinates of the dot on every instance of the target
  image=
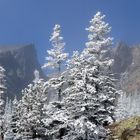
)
(56, 55)
(2, 90)
(30, 107)
(92, 94)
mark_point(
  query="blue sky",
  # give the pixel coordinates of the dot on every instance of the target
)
(31, 21)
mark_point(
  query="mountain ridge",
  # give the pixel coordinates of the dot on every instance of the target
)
(127, 66)
(19, 63)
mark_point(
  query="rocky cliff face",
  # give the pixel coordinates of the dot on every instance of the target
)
(127, 68)
(122, 55)
(19, 63)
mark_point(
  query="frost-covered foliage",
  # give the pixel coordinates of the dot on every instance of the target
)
(14, 118)
(83, 129)
(30, 109)
(8, 133)
(86, 92)
(98, 36)
(57, 85)
(2, 90)
(74, 65)
(55, 120)
(89, 99)
(91, 93)
(82, 101)
(96, 53)
(56, 55)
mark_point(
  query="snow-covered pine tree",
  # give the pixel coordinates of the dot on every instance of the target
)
(55, 120)
(8, 133)
(92, 94)
(24, 128)
(2, 90)
(30, 107)
(56, 85)
(73, 67)
(54, 113)
(6, 113)
(82, 104)
(97, 53)
(56, 55)
(99, 42)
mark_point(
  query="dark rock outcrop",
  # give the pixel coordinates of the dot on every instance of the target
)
(122, 55)
(19, 63)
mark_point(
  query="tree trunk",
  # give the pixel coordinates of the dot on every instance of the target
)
(59, 95)
(59, 68)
